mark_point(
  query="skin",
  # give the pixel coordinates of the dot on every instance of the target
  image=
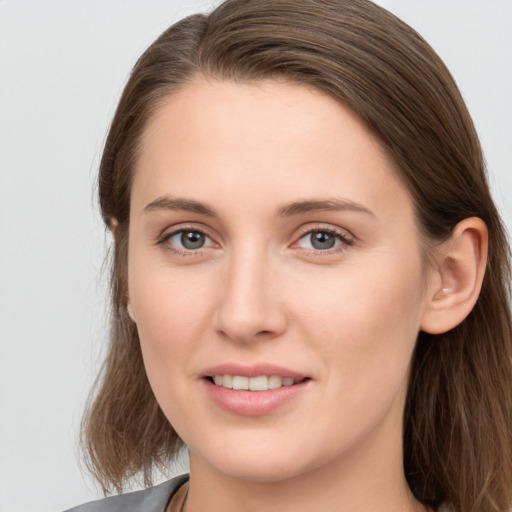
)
(257, 291)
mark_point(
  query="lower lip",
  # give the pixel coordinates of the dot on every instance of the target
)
(252, 403)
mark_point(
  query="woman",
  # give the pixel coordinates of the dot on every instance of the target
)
(310, 278)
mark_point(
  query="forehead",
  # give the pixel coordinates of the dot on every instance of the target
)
(234, 113)
(277, 140)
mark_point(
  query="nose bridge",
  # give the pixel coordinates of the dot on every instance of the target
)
(249, 306)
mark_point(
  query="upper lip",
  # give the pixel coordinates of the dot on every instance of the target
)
(252, 370)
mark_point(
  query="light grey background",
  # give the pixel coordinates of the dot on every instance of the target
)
(62, 68)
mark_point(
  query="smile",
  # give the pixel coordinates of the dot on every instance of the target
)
(259, 383)
(254, 390)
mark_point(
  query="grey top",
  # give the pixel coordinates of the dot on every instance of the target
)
(154, 499)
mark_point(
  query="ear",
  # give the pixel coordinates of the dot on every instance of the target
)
(129, 308)
(457, 277)
(112, 224)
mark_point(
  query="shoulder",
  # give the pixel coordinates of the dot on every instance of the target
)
(154, 499)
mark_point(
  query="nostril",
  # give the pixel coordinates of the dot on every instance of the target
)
(264, 333)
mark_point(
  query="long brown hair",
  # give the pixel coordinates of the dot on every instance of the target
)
(458, 415)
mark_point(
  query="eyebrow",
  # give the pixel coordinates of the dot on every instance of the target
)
(295, 208)
(300, 207)
(178, 204)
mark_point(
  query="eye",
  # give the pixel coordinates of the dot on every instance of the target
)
(322, 240)
(188, 240)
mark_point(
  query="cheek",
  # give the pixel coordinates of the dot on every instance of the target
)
(363, 325)
(170, 309)
(170, 314)
(365, 317)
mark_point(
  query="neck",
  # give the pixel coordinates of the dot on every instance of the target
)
(300, 494)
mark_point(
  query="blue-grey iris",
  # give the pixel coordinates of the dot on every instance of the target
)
(322, 240)
(192, 239)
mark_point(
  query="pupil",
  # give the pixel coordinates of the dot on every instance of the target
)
(192, 239)
(322, 240)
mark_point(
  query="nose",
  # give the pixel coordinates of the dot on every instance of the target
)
(250, 306)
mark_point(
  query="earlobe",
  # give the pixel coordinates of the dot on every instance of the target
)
(112, 224)
(459, 267)
(129, 308)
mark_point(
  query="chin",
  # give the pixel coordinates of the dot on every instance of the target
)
(261, 472)
(258, 465)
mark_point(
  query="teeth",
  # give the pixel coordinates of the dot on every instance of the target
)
(227, 381)
(240, 382)
(260, 383)
(274, 382)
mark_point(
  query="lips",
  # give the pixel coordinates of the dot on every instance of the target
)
(253, 390)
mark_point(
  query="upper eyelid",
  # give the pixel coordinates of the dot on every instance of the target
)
(173, 230)
(342, 232)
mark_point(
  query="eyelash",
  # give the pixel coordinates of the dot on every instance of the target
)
(164, 241)
(346, 241)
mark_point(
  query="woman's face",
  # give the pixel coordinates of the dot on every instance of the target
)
(271, 243)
